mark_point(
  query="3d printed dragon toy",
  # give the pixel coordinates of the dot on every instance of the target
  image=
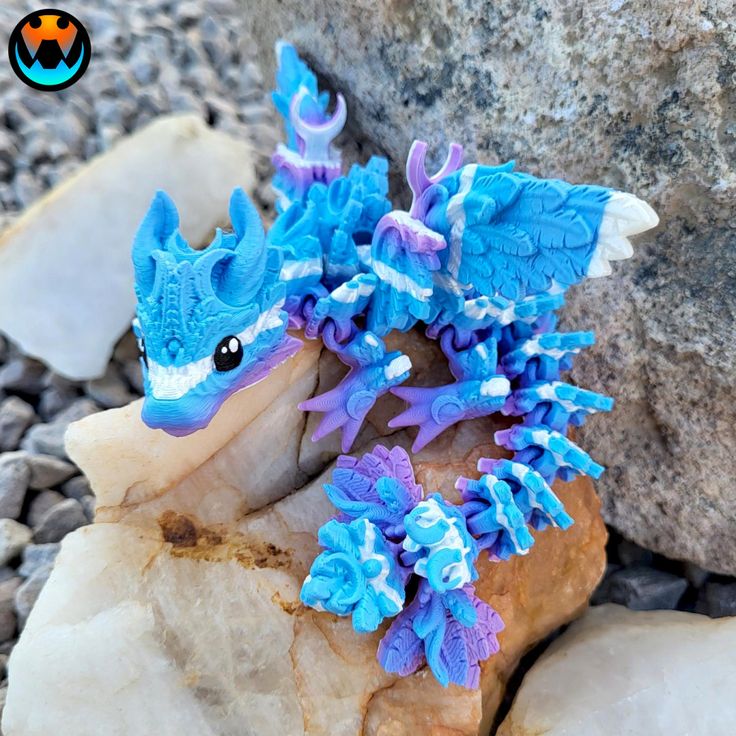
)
(482, 259)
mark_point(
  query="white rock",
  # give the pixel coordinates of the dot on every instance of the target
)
(615, 672)
(66, 279)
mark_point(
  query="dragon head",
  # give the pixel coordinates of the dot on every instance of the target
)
(209, 322)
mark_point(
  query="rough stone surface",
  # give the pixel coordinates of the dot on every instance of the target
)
(13, 537)
(14, 477)
(621, 672)
(185, 591)
(638, 96)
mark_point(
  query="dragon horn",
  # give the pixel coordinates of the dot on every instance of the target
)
(160, 222)
(416, 172)
(243, 269)
(317, 137)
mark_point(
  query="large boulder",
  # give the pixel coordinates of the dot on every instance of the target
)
(178, 613)
(634, 95)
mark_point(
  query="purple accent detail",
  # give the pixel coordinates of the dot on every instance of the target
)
(346, 406)
(315, 138)
(380, 487)
(416, 173)
(302, 172)
(452, 632)
(413, 236)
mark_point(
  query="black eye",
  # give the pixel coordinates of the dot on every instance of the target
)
(142, 348)
(62, 23)
(228, 354)
(35, 22)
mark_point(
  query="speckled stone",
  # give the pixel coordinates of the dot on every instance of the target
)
(634, 95)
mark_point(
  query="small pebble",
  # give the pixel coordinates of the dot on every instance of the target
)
(8, 620)
(110, 390)
(21, 374)
(718, 600)
(14, 477)
(59, 520)
(77, 487)
(37, 556)
(28, 593)
(48, 439)
(644, 589)
(40, 506)
(48, 471)
(16, 416)
(89, 504)
(13, 537)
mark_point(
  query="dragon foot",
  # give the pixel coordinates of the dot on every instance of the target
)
(372, 373)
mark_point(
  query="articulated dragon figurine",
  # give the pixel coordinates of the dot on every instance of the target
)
(482, 259)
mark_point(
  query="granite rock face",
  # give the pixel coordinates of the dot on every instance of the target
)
(179, 608)
(636, 95)
(622, 672)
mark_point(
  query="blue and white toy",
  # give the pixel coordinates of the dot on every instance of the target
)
(481, 261)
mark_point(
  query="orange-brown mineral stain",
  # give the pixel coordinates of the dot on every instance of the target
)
(192, 540)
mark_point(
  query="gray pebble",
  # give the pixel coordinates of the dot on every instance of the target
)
(27, 594)
(13, 537)
(22, 374)
(48, 471)
(54, 400)
(8, 621)
(718, 600)
(40, 506)
(89, 504)
(48, 439)
(14, 477)
(16, 416)
(27, 188)
(134, 375)
(77, 487)
(644, 589)
(126, 349)
(37, 556)
(110, 390)
(60, 519)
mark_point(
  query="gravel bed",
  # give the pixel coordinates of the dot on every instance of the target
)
(150, 58)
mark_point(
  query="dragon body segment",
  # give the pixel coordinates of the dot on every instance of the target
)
(481, 261)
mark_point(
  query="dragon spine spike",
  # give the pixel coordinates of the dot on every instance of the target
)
(416, 173)
(317, 137)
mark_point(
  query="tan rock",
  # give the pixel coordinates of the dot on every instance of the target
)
(179, 608)
(66, 278)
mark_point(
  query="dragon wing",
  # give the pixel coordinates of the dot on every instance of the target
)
(512, 234)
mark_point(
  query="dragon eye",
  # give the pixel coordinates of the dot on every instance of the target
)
(228, 354)
(142, 348)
